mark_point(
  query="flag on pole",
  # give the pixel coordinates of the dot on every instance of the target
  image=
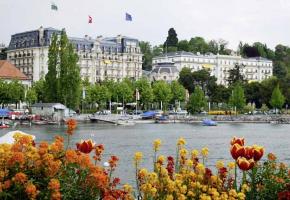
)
(128, 17)
(53, 7)
(90, 19)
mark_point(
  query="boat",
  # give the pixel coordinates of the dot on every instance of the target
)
(162, 120)
(4, 126)
(148, 115)
(126, 122)
(39, 122)
(209, 122)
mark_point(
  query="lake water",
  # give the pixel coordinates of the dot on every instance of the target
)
(125, 141)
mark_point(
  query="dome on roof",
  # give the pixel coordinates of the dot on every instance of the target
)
(165, 71)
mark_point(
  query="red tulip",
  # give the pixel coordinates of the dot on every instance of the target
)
(245, 164)
(249, 152)
(85, 146)
(258, 152)
(240, 141)
(237, 151)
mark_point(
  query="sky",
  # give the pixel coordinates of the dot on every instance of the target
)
(266, 21)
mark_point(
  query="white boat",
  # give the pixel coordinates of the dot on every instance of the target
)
(126, 122)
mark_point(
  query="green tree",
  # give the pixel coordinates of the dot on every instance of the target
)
(145, 92)
(277, 98)
(124, 92)
(51, 78)
(16, 92)
(235, 75)
(197, 101)
(157, 50)
(198, 44)
(178, 91)
(171, 41)
(147, 55)
(31, 96)
(183, 45)
(162, 93)
(98, 94)
(40, 90)
(186, 79)
(237, 99)
(3, 54)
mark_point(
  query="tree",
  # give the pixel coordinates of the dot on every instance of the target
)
(3, 54)
(162, 93)
(145, 91)
(198, 44)
(31, 96)
(40, 90)
(237, 99)
(253, 93)
(171, 41)
(157, 50)
(197, 101)
(16, 92)
(98, 94)
(51, 78)
(178, 91)
(277, 98)
(235, 75)
(147, 55)
(124, 92)
(183, 45)
(63, 78)
(186, 79)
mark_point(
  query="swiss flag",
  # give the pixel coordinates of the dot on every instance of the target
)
(90, 19)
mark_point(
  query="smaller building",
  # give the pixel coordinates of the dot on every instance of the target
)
(8, 73)
(166, 71)
(52, 111)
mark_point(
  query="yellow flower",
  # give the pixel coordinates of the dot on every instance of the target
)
(183, 152)
(127, 188)
(245, 188)
(231, 165)
(194, 153)
(233, 193)
(189, 163)
(156, 144)
(169, 197)
(241, 196)
(200, 168)
(219, 164)
(181, 141)
(204, 152)
(143, 172)
(138, 156)
(161, 159)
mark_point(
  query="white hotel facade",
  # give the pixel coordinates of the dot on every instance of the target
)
(255, 69)
(112, 58)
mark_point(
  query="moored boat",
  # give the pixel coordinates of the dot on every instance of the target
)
(209, 122)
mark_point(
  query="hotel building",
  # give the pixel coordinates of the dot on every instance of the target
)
(112, 58)
(255, 69)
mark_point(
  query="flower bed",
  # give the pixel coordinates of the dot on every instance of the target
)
(54, 171)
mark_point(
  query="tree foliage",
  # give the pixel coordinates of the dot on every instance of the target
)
(277, 98)
(235, 75)
(197, 101)
(162, 92)
(237, 99)
(63, 77)
(171, 41)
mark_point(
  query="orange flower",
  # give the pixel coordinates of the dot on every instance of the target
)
(85, 146)
(7, 184)
(272, 157)
(71, 156)
(54, 184)
(55, 196)
(31, 191)
(71, 126)
(258, 152)
(20, 178)
(240, 141)
(53, 167)
(113, 161)
(98, 152)
(245, 164)
(237, 151)
(17, 157)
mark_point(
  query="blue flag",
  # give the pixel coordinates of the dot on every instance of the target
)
(128, 17)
